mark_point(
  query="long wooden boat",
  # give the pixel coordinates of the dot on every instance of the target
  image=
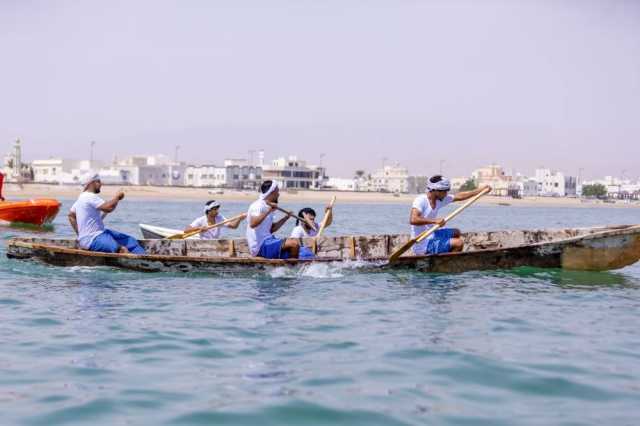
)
(592, 249)
(35, 212)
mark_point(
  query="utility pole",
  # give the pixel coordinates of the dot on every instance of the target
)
(175, 155)
(91, 145)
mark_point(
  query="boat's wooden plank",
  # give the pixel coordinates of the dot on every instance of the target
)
(215, 248)
(165, 247)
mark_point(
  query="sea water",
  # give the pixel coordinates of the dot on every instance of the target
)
(321, 345)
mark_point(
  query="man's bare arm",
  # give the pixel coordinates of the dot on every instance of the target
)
(73, 221)
(277, 225)
(111, 205)
(416, 219)
(255, 221)
(462, 196)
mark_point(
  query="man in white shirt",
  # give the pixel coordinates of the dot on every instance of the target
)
(86, 216)
(260, 227)
(211, 217)
(424, 214)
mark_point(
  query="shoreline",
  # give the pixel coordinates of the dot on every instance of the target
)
(165, 193)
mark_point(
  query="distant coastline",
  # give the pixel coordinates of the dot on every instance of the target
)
(160, 193)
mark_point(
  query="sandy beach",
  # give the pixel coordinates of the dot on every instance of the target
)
(159, 193)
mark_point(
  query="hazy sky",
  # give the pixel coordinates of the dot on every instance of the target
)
(521, 83)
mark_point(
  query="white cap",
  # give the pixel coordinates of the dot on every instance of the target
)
(89, 177)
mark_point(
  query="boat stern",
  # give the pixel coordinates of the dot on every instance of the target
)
(609, 252)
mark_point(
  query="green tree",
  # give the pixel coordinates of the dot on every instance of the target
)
(469, 185)
(596, 190)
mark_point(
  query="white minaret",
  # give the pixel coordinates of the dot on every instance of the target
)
(261, 158)
(17, 158)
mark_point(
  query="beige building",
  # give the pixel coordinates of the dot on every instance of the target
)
(495, 176)
(292, 173)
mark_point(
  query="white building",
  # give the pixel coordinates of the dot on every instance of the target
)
(618, 188)
(153, 170)
(136, 170)
(554, 184)
(61, 171)
(390, 179)
(396, 179)
(236, 174)
(292, 173)
(523, 187)
(342, 184)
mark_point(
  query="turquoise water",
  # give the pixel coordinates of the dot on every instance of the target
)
(322, 345)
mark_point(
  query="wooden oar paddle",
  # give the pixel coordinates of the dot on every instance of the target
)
(399, 252)
(183, 235)
(323, 225)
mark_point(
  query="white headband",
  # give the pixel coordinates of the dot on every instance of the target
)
(443, 185)
(272, 188)
(210, 206)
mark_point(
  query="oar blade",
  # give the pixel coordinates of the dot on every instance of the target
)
(402, 250)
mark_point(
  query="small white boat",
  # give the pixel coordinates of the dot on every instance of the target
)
(151, 232)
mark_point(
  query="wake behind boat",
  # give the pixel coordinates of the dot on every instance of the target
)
(590, 249)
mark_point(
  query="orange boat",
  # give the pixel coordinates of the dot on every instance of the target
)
(36, 212)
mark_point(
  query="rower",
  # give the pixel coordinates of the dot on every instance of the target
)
(86, 220)
(260, 226)
(304, 229)
(424, 214)
(211, 217)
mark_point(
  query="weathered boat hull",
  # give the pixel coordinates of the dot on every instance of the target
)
(592, 249)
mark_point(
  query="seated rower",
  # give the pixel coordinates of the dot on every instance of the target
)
(86, 216)
(424, 214)
(260, 227)
(303, 229)
(211, 217)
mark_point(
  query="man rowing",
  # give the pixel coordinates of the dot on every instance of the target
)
(211, 217)
(260, 226)
(86, 216)
(424, 215)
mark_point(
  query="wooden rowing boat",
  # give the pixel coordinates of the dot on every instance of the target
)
(592, 249)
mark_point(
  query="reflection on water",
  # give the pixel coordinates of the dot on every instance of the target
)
(321, 344)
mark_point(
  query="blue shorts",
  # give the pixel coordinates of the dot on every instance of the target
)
(271, 248)
(306, 253)
(111, 241)
(440, 241)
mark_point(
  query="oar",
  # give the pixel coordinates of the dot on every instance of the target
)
(399, 252)
(288, 213)
(183, 235)
(323, 225)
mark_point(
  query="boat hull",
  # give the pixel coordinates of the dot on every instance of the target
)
(594, 249)
(35, 212)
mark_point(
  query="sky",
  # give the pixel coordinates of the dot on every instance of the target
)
(457, 84)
